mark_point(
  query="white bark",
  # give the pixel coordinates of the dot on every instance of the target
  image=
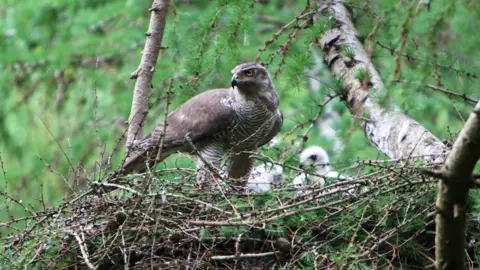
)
(144, 72)
(392, 132)
(452, 196)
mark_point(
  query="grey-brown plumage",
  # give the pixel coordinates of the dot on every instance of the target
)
(221, 123)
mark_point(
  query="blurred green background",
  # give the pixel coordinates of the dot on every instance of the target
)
(65, 88)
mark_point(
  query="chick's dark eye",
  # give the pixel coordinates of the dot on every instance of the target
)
(249, 72)
(313, 157)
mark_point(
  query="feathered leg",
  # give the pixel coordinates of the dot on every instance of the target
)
(209, 174)
(238, 167)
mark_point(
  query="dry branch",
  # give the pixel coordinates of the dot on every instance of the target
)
(389, 130)
(145, 70)
(243, 256)
(452, 93)
(83, 250)
(453, 193)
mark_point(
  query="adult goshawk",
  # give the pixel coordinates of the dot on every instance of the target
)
(221, 124)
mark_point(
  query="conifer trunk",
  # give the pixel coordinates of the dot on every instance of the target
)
(144, 72)
(392, 132)
(456, 179)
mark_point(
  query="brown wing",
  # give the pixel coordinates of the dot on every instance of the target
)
(201, 116)
(275, 129)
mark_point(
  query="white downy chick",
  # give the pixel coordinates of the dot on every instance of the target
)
(316, 157)
(265, 177)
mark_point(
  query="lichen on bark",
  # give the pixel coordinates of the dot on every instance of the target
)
(388, 129)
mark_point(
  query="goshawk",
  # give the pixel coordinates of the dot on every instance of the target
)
(221, 124)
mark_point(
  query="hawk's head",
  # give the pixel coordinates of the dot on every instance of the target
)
(250, 77)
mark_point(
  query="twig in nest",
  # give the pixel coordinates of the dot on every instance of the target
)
(433, 173)
(110, 186)
(243, 256)
(83, 250)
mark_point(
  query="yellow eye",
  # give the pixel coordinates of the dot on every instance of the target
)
(249, 73)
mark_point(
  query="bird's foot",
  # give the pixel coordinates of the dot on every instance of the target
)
(238, 185)
(208, 180)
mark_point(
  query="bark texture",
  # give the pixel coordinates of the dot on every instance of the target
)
(392, 132)
(452, 195)
(144, 72)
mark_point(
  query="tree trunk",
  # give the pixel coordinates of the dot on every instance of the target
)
(144, 72)
(456, 179)
(393, 133)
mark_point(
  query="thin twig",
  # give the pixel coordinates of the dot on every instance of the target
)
(467, 99)
(4, 172)
(243, 256)
(83, 250)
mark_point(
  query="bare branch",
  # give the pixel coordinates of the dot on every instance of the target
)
(83, 250)
(4, 172)
(453, 194)
(243, 256)
(145, 70)
(112, 186)
(62, 86)
(389, 130)
(433, 173)
(467, 99)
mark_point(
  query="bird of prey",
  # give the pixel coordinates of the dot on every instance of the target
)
(265, 177)
(316, 157)
(220, 124)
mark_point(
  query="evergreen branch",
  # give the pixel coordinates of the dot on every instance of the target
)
(203, 45)
(294, 22)
(393, 51)
(284, 48)
(403, 39)
(312, 121)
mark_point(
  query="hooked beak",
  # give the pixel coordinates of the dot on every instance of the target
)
(234, 82)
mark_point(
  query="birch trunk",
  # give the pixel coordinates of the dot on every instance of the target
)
(456, 179)
(144, 72)
(392, 132)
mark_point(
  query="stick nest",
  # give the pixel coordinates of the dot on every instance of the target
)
(170, 224)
